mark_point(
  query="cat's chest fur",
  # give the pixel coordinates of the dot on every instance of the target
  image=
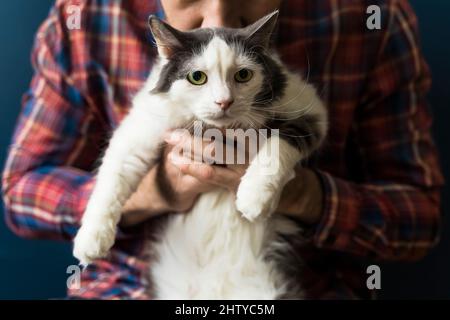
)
(212, 252)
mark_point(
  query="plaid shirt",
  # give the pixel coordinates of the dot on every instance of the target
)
(379, 169)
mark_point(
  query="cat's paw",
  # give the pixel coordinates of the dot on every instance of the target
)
(91, 243)
(256, 200)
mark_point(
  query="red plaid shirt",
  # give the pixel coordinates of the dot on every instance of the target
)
(379, 169)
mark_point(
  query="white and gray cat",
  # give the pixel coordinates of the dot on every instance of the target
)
(228, 246)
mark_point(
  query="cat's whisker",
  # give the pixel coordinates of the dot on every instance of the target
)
(298, 113)
(288, 135)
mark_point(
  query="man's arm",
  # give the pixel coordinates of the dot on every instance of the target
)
(46, 180)
(393, 213)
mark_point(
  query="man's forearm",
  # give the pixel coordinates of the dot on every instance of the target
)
(145, 203)
(302, 197)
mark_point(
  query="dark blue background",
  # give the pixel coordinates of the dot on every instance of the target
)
(37, 269)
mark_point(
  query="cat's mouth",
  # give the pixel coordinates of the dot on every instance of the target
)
(220, 119)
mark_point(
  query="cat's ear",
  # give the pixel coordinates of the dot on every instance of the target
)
(168, 39)
(260, 32)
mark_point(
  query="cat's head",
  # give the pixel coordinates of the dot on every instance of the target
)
(223, 76)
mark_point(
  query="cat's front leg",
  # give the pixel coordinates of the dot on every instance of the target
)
(95, 237)
(260, 189)
(261, 186)
(133, 150)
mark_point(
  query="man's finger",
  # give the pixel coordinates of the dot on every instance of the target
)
(195, 148)
(220, 176)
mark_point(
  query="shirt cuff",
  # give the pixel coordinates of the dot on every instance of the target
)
(75, 202)
(340, 213)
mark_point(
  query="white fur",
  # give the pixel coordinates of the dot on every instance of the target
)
(212, 252)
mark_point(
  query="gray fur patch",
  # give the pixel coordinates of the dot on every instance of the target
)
(178, 65)
(303, 133)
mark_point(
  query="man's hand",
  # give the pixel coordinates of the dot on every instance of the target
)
(301, 198)
(186, 178)
(193, 162)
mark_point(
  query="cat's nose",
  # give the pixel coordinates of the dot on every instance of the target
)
(224, 104)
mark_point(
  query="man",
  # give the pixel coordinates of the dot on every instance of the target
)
(371, 193)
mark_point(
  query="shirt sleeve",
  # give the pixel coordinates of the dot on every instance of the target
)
(46, 180)
(393, 213)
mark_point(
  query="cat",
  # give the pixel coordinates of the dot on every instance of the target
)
(229, 246)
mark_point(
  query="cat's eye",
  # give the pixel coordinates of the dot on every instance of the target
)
(197, 78)
(243, 75)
